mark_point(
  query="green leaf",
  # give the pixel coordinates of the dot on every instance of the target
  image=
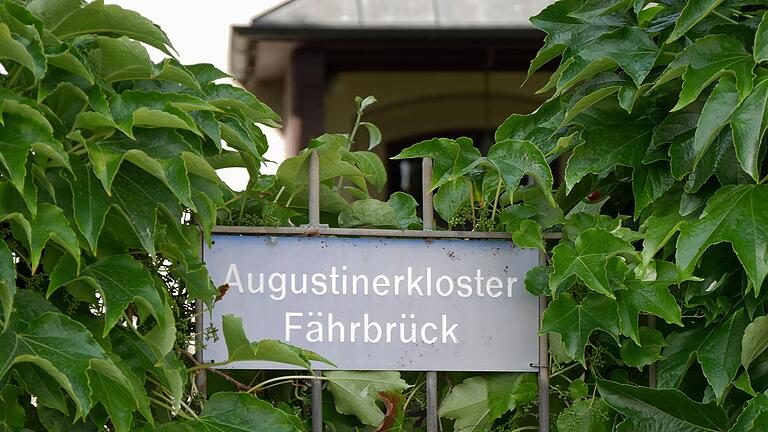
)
(761, 40)
(370, 165)
(749, 122)
(97, 18)
(369, 213)
(49, 224)
(628, 47)
(478, 401)
(21, 135)
(12, 414)
(120, 279)
(749, 418)
(693, 12)
(113, 389)
(356, 393)
(720, 353)
(374, 134)
(451, 198)
(706, 60)
(540, 127)
(236, 412)
(293, 173)
(59, 345)
(529, 235)
(237, 99)
(36, 382)
(452, 158)
(656, 410)
(240, 349)
(714, 116)
(14, 49)
(679, 354)
(735, 214)
(610, 138)
(121, 59)
(591, 415)
(151, 109)
(648, 352)
(514, 158)
(404, 206)
(649, 183)
(754, 341)
(575, 322)
(587, 260)
(7, 283)
(647, 296)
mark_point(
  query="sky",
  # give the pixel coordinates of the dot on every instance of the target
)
(200, 32)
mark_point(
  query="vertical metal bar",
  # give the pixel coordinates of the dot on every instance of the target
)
(543, 373)
(426, 195)
(314, 221)
(200, 377)
(317, 404)
(652, 367)
(314, 189)
(433, 422)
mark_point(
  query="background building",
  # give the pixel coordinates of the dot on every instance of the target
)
(438, 68)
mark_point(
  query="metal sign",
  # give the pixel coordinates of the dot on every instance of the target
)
(380, 303)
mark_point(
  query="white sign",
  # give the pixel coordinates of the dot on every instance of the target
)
(380, 303)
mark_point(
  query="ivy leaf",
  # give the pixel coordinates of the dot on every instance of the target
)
(451, 198)
(370, 166)
(120, 279)
(369, 213)
(59, 345)
(649, 183)
(647, 408)
(478, 401)
(293, 173)
(237, 412)
(121, 59)
(240, 349)
(720, 352)
(714, 116)
(22, 134)
(648, 296)
(236, 99)
(513, 159)
(540, 127)
(735, 214)
(50, 223)
(587, 260)
(628, 47)
(12, 414)
(404, 206)
(528, 235)
(97, 18)
(610, 138)
(648, 352)
(7, 283)
(112, 388)
(693, 12)
(395, 414)
(679, 354)
(11, 48)
(706, 60)
(355, 392)
(754, 341)
(575, 322)
(452, 158)
(752, 416)
(749, 122)
(590, 415)
(761, 40)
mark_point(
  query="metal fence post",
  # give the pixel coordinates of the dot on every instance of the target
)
(433, 422)
(314, 222)
(652, 381)
(543, 373)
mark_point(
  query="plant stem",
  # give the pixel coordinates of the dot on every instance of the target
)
(732, 21)
(263, 384)
(181, 414)
(207, 366)
(496, 199)
(245, 198)
(277, 197)
(472, 202)
(562, 371)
